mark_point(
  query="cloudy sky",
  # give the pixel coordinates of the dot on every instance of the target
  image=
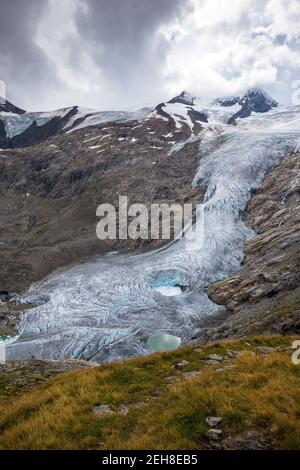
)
(110, 54)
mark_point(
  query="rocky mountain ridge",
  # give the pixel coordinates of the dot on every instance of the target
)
(19, 128)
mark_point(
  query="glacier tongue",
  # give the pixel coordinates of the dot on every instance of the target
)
(107, 308)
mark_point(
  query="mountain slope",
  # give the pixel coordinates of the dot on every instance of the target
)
(50, 191)
(162, 401)
(7, 107)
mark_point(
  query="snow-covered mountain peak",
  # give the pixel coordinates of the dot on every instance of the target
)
(193, 111)
(258, 98)
(253, 100)
(183, 98)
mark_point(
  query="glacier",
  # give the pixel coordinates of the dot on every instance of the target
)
(107, 308)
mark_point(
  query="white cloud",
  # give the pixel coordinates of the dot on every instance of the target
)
(284, 17)
(222, 50)
(132, 52)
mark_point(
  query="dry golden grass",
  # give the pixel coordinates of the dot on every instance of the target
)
(260, 393)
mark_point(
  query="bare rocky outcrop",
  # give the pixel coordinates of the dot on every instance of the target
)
(7, 107)
(18, 376)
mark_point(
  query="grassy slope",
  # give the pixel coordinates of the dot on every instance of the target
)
(260, 394)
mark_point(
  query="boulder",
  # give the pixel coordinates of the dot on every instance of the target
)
(213, 421)
(214, 434)
(102, 410)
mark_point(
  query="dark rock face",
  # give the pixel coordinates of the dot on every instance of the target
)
(197, 116)
(258, 101)
(227, 102)
(183, 98)
(160, 110)
(8, 107)
(35, 134)
(2, 133)
(253, 101)
(289, 325)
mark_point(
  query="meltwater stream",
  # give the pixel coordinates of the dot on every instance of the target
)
(107, 308)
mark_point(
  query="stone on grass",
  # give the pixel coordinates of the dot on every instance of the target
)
(265, 350)
(124, 409)
(213, 421)
(214, 434)
(191, 374)
(181, 365)
(172, 378)
(210, 362)
(215, 357)
(138, 405)
(231, 366)
(233, 354)
(102, 410)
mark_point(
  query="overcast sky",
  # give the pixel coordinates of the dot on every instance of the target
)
(110, 54)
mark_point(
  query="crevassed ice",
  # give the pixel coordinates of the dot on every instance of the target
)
(107, 308)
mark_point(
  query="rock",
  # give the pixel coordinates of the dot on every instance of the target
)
(102, 410)
(214, 434)
(4, 296)
(233, 354)
(248, 440)
(6, 330)
(231, 306)
(196, 116)
(191, 374)
(123, 409)
(156, 394)
(172, 378)
(7, 107)
(20, 375)
(265, 350)
(232, 366)
(210, 362)
(80, 363)
(215, 357)
(253, 100)
(140, 404)
(289, 325)
(181, 365)
(213, 421)
(198, 350)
